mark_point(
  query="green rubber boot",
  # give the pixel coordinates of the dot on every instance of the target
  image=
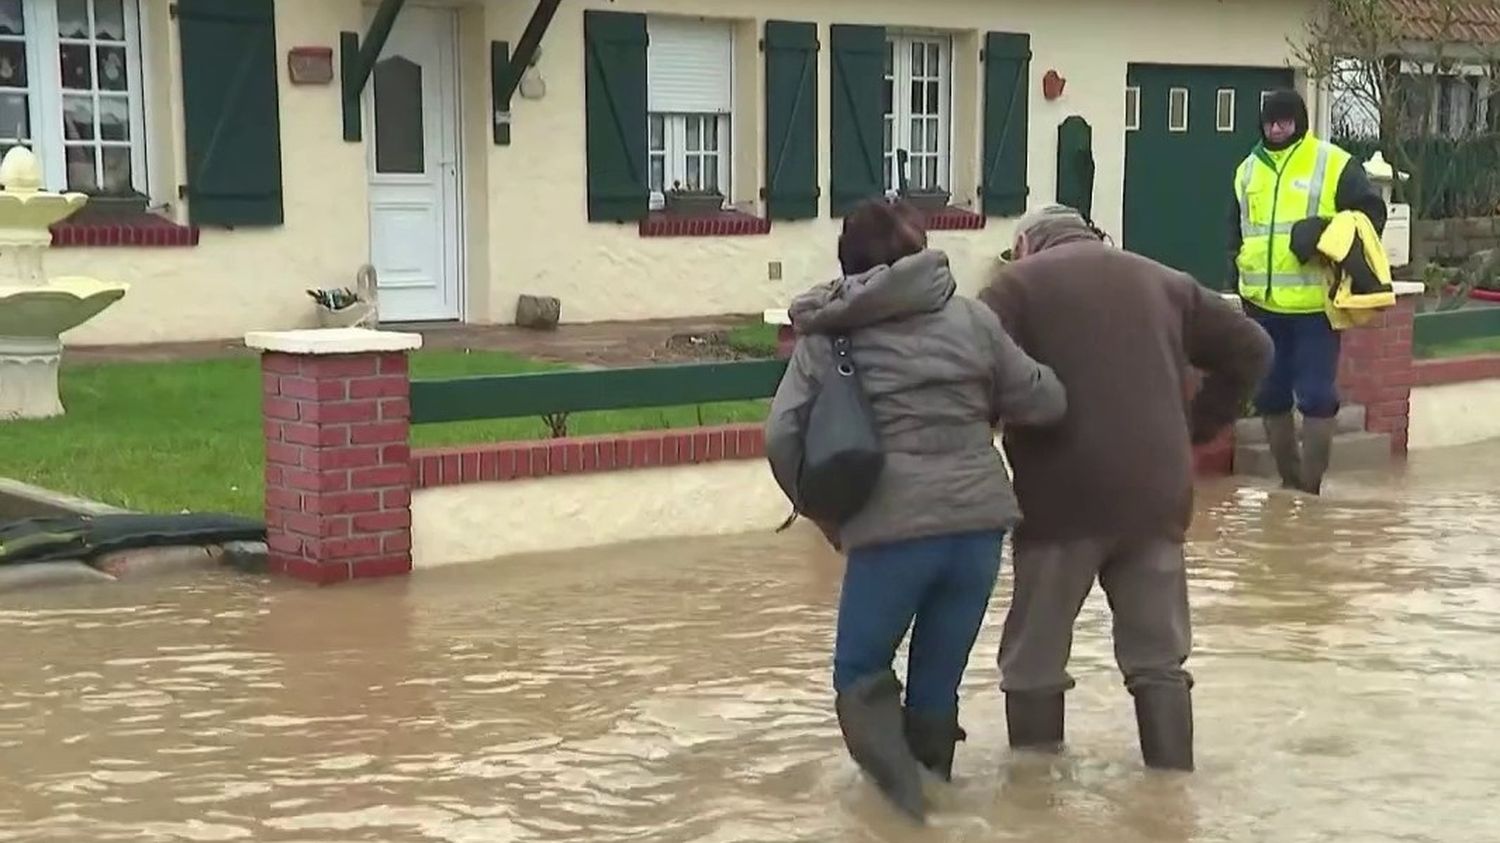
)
(1281, 435)
(1035, 721)
(1317, 452)
(932, 738)
(871, 719)
(1164, 716)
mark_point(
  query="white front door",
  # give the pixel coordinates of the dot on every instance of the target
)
(412, 135)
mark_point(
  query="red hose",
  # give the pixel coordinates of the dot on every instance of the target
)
(1485, 295)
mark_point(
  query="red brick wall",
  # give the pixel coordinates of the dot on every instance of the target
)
(1376, 370)
(338, 480)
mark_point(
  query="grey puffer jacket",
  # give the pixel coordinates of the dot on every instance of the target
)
(940, 373)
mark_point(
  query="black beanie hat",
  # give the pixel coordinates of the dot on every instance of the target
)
(1285, 104)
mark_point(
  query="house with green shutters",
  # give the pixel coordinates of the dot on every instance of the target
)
(636, 159)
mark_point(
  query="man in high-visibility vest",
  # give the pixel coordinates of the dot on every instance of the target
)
(1290, 176)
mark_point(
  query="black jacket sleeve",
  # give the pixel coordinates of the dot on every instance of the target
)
(1356, 193)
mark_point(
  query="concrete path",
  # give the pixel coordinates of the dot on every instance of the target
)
(598, 344)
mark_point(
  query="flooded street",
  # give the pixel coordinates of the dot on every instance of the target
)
(1347, 665)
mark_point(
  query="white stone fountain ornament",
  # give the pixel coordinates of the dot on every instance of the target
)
(35, 310)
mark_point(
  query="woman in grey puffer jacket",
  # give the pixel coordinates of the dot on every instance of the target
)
(924, 553)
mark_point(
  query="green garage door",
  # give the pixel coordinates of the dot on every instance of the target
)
(1186, 129)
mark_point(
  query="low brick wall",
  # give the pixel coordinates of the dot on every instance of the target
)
(1451, 370)
(347, 498)
(504, 462)
(1456, 401)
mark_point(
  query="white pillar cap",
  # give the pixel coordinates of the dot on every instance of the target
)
(325, 341)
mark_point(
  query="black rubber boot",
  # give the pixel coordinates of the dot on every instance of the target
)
(1164, 715)
(1317, 452)
(1281, 436)
(870, 717)
(1035, 721)
(932, 738)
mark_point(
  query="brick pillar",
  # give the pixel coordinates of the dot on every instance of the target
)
(1377, 371)
(336, 414)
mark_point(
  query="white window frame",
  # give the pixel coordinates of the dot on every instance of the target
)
(1224, 108)
(897, 131)
(1187, 119)
(677, 120)
(46, 96)
(674, 150)
(1132, 108)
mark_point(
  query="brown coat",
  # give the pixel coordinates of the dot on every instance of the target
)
(1124, 335)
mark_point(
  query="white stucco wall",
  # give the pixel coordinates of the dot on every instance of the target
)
(1454, 414)
(609, 272)
(480, 522)
(526, 228)
(251, 278)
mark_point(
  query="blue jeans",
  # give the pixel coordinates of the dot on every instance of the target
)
(943, 583)
(1305, 369)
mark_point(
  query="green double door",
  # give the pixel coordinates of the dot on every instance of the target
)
(1186, 130)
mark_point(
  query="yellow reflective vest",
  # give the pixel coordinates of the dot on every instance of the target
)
(1275, 190)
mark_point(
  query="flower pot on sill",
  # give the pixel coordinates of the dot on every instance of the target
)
(694, 204)
(928, 200)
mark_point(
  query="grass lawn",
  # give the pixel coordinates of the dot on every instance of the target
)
(1459, 348)
(754, 339)
(165, 437)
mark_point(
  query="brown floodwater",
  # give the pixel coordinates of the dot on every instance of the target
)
(1348, 666)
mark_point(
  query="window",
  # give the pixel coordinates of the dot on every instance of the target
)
(1460, 106)
(689, 85)
(1224, 110)
(918, 74)
(70, 88)
(1132, 108)
(1177, 110)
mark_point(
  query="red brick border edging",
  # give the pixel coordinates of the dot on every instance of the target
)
(1457, 370)
(500, 462)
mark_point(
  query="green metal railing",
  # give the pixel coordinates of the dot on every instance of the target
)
(544, 393)
(1434, 329)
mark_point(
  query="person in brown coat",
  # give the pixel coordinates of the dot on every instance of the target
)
(1108, 493)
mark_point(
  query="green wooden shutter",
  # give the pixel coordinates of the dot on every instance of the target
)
(857, 115)
(1007, 85)
(231, 111)
(615, 108)
(499, 81)
(1075, 165)
(791, 120)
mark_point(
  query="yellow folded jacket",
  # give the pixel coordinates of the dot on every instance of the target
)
(1346, 308)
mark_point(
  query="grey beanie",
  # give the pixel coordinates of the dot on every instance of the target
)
(1051, 225)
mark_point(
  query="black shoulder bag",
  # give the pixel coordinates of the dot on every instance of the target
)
(841, 452)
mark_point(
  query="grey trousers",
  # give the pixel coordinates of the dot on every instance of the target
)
(1146, 583)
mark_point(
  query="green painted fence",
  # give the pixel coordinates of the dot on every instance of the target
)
(544, 393)
(1452, 326)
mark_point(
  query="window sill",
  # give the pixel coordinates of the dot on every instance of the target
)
(140, 229)
(953, 219)
(722, 224)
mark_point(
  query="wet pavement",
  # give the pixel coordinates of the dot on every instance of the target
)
(1346, 660)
